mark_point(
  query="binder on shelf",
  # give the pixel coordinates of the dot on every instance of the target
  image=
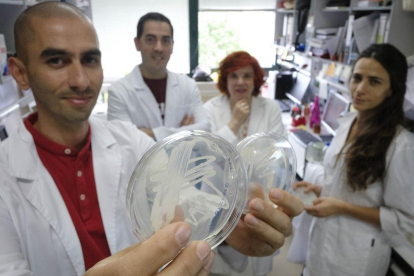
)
(348, 38)
(341, 41)
(387, 30)
(381, 28)
(349, 30)
(290, 30)
(333, 44)
(363, 29)
(374, 33)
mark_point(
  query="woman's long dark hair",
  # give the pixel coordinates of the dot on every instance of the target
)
(366, 158)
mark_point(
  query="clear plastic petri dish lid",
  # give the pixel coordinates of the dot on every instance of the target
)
(270, 162)
(191, 176)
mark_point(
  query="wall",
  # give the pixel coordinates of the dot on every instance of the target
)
(116, 21)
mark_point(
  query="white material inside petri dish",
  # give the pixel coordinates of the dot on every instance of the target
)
(191, 176)
(270, 163)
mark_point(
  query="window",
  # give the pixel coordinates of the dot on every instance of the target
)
(235, 27)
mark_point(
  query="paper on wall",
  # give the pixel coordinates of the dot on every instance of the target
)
(323, 89)
(345, 74)
(323, 70)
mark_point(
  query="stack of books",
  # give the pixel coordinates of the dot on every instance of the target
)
(320, 45)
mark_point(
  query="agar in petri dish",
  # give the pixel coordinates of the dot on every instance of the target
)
(191, 176)
(270, 163)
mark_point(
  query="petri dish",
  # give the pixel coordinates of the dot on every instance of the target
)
(270, 162)
(191, 176)
(307, 199)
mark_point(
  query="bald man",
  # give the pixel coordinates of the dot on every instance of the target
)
(64, 175)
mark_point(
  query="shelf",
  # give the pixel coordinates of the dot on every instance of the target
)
(22, 102)
(362, 9)
(285, 11)
(355, 9)
(336, 9)
(18, 2)
(340, 87)
(11, 2)
(290, 65)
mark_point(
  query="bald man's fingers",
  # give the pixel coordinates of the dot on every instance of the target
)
(195, 259)
(161, 248)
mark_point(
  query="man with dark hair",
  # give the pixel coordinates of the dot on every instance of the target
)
(64, 176)
(157, 101)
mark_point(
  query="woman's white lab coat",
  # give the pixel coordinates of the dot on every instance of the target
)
(131, 100)
(37, 236)
(265, 115)
(342, 245)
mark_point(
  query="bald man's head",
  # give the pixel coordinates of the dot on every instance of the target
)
(24, 27)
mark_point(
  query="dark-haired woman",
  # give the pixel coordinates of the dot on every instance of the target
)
(366, 201)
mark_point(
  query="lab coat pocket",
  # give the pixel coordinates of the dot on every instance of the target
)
(379, 257)
(348, 251)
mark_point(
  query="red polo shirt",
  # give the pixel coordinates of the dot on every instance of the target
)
(73, 174)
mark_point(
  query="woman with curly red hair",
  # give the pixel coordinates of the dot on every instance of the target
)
(240, 112)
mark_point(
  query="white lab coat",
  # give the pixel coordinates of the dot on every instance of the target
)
(131, 100)
(342, 245)
(265, 115)
(37, 236)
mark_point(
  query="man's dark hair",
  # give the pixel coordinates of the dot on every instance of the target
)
(152, 16)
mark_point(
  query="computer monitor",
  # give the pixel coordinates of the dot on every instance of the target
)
(335, 107)
(300, 86)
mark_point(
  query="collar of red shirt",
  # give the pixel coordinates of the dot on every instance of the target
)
(51, 146)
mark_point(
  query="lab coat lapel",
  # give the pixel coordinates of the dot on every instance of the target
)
(256, 116)
(343, 130)
(41, 191)
(107, 169)
(147, 98)
(172, 99)
(223, 112)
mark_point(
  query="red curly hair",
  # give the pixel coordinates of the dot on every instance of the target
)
(234, 62)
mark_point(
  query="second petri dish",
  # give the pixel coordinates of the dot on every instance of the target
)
(270, 163)
(191, 176)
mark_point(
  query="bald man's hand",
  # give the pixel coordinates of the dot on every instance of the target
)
(146, 258)
(264, 229)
